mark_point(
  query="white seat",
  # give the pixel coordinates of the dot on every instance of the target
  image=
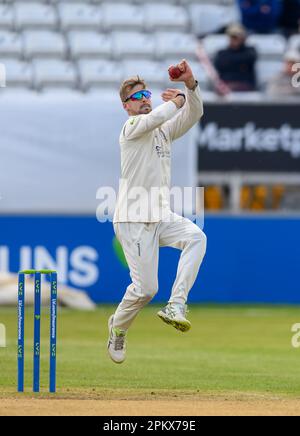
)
(54, 73)
(171, 2)
(33, 1)
(214, 43)
(95, 73)
(267, 70)
(11, 44)
(216, 2)
(18, 73)
(101, 2)
(209, 18)
(152, 72)
(44, 43)
(35, 15)
(6, 17)
(174, 44)
(132, 44)
(122, 16)
(294, 43)
(89, 44)
(268, 46)
(167, 17)
(80, 16)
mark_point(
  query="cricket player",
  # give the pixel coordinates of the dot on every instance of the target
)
(143, 220)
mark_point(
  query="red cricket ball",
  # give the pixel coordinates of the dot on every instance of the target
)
(175, 72)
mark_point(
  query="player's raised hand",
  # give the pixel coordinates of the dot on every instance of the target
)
(181, 72)
(170, 94)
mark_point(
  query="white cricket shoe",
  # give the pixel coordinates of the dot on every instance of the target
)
(116, 345)
(175, 315)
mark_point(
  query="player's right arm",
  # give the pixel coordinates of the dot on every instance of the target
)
(139, 125)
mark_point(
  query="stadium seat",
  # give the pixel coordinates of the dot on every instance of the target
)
(128, 44)
(170, 17)
(79, 16)
(215, 2)
(43, 43)
(294, 43)
(35, 15)
(6, 17)
(10, 44)
(168, 2)
(95, 73)
(18, 73)
(122, 16)
(268, 46)
(213, 43)
(174, 44)
(213, 197)
(266, 70)
(152, 72)
(89, 44)
(209, 18)
(56, 73)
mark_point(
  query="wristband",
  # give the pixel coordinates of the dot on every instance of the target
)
(181, 94)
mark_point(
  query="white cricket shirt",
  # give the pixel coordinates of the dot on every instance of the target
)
(145, 142)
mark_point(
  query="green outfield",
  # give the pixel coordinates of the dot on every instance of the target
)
(230, 350)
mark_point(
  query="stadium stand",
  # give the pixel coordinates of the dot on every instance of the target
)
(97, 33)
(19, 73)
(35, 15)
(174, 44)
(44, 43)
(122, 16)
(98, 73)
(54, 73)
(132, 44)
(79, 16)
(266, 69)
(169, 18)
(6, 17)
(214, 43)
(268, 46)
(89, 44)
(11, 44)
(149, 70)
(294, 42)
(208, 18)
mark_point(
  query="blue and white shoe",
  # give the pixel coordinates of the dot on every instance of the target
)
(116, 345)
(175, 315)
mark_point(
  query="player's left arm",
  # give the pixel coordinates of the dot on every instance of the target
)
(192, 111)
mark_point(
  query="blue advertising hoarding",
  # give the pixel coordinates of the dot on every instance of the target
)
(248, 259)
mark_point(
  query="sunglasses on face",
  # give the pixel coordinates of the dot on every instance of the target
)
(139, 95)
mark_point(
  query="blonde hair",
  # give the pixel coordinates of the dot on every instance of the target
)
(129, 84)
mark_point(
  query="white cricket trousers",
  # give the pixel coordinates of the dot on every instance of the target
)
(141, 242)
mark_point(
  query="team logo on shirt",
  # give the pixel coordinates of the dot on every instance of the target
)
(162, 150)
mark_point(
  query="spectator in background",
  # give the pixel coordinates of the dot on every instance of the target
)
(261, 16)
(282, 85)
(236, 64)
(290, 18)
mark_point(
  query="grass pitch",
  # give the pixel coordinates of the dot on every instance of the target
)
(235, 351)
